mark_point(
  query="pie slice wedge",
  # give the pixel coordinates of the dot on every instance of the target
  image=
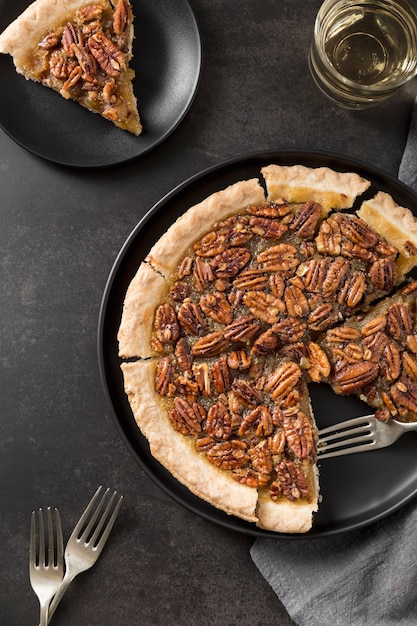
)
(80, 49)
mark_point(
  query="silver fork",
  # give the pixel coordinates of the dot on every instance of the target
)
(46, 562)
(360, 434)
(87, 540)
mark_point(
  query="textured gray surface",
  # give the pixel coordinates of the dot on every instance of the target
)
(61, 230)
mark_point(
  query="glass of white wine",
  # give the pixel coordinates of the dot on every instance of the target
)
(363, 51)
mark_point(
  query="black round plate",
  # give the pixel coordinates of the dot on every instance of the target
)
(167, 62)
(357, 490)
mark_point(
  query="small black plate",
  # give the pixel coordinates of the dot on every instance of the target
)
(167, 62)
(357, 490)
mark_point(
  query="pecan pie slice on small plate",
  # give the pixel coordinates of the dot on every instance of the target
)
(93, 54)
(240, 315)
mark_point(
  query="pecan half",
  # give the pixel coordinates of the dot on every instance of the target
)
(329, 237)
(267, 228)
(279, 208)
(229, 454)
(216, 306)
(296, 302)
(318, 363)
(164, 377)
(239, 360)
(306, 220)
(283, 380)
(242, 328)
(191, 317)
(259, 420)
(260, 457)
(281, 257)
(290, 482)
(264, 306)
(221, 377)
(247, 393)
(299, 434)
(382, 274)
(251, 478)
(355, 376)
(229, 263)
(399, 320)
(186, 417)
(210, 345)
(218, 423)
(108, 56)
(391, 362)
(166, 327)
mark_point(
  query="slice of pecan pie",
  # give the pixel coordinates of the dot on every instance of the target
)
(226, 323)
(81, 49)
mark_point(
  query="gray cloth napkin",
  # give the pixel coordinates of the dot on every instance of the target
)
(366, 577)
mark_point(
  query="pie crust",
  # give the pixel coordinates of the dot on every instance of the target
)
(196, 386)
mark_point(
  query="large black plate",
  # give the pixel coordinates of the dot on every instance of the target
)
(167, 62)
(358, 489)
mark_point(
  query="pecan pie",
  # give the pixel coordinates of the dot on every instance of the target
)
(229, 318)
(81, 49)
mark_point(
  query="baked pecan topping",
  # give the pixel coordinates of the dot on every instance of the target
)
(221, 377)
(247, 393)
(290, 482)
(409, 364)
(260, 457)
(318, 363)
(203, 274)
(164, 377)
(329, 237)
(252, 279)
(251, 478)
(120, 16)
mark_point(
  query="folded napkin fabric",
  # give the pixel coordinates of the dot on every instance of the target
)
(367, 577)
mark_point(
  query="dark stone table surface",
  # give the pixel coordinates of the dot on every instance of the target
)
(61, 230)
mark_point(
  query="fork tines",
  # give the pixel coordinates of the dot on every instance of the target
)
(40, 553)
(356, 435)
(93, 531)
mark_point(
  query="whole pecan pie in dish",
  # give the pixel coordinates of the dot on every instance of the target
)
(246, 299)
(82, 50)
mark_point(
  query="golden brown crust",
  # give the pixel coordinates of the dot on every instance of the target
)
(176, 453)
(173, 245)
(297, 183)
(396, 224)
(144, 294)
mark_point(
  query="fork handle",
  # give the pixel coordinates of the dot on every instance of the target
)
(68, 578)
